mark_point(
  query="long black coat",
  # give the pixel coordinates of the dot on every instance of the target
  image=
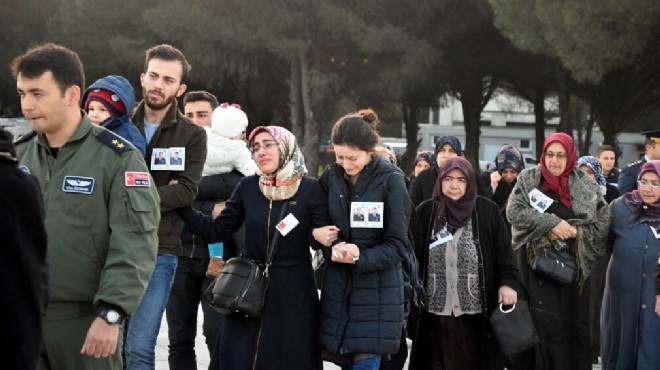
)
(497, 268)
(362, 304)
(23, 244)
(285, 335)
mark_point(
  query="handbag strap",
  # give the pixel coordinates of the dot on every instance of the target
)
(273, 242)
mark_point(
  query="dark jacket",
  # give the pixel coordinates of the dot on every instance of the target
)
(212, 189)
(23, 277)
(284, 337)
(175, 131)
(362, 304)
(422, 186)
(497, 265)
(613, 177)
(628, 176)
(121, 126)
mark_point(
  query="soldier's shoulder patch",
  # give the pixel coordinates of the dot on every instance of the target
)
(25, 138)
(635, 163)
(116, 142)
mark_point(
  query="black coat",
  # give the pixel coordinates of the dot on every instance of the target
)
(496, 262)
(362, 304)
(23, 277)
(286, 332)
(212, 189)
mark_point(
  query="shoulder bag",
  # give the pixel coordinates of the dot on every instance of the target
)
(241, 286)
(556, 265)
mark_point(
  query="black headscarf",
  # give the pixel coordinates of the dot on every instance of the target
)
(448, 139)
(454, 213)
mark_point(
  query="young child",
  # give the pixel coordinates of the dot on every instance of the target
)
(227, 151)
(109, 102)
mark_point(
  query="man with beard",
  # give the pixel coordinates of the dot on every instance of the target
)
(164, 127)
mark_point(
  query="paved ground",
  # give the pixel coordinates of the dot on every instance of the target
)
(200, 348)
(202, 352)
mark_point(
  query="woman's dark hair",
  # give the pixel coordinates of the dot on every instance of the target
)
(357, 129)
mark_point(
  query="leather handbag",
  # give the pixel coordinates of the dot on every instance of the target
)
(556, 265)
(241, 286)
(514, 328)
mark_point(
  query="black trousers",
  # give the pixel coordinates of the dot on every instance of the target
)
(189, 285)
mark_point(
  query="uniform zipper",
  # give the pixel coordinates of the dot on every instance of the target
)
(261, 320)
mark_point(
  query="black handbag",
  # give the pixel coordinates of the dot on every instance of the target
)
(555, 265)
(241, 286)
(514, 328)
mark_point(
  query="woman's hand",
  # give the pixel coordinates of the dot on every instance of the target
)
(495, 178)
(326, 235)
(345, 253)
(564, 230)
(507, 296)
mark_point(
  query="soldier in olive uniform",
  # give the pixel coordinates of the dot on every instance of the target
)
(101, 211)
(628, 177)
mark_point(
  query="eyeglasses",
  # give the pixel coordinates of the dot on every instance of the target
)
(651, 184)
(266, 144)
(450, 179)
(560, 156)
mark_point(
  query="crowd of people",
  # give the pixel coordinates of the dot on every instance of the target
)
(118, 212)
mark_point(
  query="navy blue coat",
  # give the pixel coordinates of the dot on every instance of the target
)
(285, 336)
(122, 126)
(630, 328)
(628, 176)
(362, 304)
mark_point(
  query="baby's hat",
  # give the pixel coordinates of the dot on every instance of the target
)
(228, 120)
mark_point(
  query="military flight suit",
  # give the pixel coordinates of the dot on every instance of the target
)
(102, 217)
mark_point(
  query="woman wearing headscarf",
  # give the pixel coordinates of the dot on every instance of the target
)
(593, 168)
(508, 164)
(285, 333)
(422, 187)
(551, 202)
(424, 161)
(362, 300)
(468, 268)
(631, 322)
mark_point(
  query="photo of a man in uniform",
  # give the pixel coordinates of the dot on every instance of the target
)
(160, 160)
(374, 216)
(358, 216)
(175, 160)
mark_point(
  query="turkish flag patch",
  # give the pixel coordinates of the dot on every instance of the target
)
(134, 179)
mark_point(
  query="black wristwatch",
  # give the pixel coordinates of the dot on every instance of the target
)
(111, 316)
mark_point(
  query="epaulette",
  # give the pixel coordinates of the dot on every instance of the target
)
(24, 138)
(635, 163)
(116, 142)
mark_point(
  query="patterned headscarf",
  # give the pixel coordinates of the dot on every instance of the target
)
(509, 157)
(596, 168)
(559, 184)
(427, 156)
(642, 212)
(284, 183)
(454, 213)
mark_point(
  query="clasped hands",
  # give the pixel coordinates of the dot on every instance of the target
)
(563, 230)
(341, 252)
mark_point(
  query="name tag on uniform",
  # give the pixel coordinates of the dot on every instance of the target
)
(287, 224)
(78, 184)
(136, 179)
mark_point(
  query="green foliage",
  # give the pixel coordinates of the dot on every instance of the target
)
(590, 37)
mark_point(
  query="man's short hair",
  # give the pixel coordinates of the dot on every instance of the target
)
(605, 148)
(64, 63)
(194, 96)
(168, 53)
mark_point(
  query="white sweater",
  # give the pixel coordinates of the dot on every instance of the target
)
(224, 155)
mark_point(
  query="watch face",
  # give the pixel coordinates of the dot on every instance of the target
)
(112, 316)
